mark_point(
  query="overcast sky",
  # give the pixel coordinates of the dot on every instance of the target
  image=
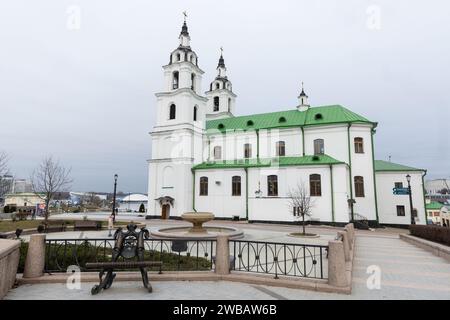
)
(86, 95)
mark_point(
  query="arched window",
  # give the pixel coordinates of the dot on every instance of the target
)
(204, 186)
(359, 145)
(172, 111)
(217, 85)
(217, 152)
(236, 186)
(193, 81)
(195, 113)
(178, 57)
(229, 104)
(281, 148)
(315, 186)
(319, 146)
(359, 186)
(175, 80)
(247, 150)
(272, 186)
(216, 104)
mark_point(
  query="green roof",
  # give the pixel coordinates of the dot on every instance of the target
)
(292, 118)
(381, 165)
(269, 162)
(434, 205)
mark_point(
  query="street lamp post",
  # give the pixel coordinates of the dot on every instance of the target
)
(408, 178)
(114, 199)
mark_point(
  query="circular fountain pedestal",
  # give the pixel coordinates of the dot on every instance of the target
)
(197, 230)
(197, 219)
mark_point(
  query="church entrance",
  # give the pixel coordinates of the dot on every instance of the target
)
(165, 211)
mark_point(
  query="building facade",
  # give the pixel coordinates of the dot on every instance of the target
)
(204, 158)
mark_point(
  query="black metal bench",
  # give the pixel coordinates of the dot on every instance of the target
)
(54, 226)
(127, 245)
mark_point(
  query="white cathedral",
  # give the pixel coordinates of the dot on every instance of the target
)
(205, 158)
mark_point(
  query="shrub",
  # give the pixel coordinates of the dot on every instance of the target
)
(432, 233)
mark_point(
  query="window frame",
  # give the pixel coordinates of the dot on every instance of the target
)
(203, 188)
(247, 150)
(319, 144)
(315, 185)
(272, 185)
(219, 156)
(172, 111)
(236, 186)
(359, 186)
(404, 211)
(358, 144)
(280, 148)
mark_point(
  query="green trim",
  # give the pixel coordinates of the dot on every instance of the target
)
(332, 193)
(303, 141)
(193, 190)
(424, 192)
(246, 193)
(374, 177)
(316, 160)
(350, 170)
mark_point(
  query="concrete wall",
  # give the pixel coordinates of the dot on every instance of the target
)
(9, 260)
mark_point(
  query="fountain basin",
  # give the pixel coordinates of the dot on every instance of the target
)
(197, 219)
(197, 230)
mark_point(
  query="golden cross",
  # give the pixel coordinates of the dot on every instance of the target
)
(221, 50)
(185, 15)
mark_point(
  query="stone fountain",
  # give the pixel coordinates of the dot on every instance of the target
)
(197, 230)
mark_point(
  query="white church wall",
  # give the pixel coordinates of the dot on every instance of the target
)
(335, 140)
(362, 165)
(278, 208)
(268, 141)
(341, 193)
(387, 201)
(220, 200)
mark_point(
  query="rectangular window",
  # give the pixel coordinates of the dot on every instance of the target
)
(236, 186)
(400, 211)
(319, 147)
(359, 145)
(247, 150)
(315, 185)
(281, 148)
(359, 186)
(204, 186)
(272, 186)
(398, 185)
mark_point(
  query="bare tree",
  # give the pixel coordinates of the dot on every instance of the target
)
(301, 203)
(48, 179)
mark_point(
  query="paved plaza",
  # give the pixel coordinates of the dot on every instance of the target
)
(407, 272)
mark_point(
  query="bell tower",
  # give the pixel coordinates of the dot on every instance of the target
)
(177, 137)
(221, 99)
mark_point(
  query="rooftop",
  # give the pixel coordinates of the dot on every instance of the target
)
(434, 205)
(381, 165)
(322, 115)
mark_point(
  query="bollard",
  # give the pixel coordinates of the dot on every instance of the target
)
(336, 264)
(35, 260)
(346, 243)
(222, 255)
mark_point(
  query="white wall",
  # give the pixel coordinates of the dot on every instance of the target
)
(219, 199)
(387, 201)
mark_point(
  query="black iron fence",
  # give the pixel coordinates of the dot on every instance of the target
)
(176, 255)
(299, 260)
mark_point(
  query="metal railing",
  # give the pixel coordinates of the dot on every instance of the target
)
(176, 255)
(288, 259)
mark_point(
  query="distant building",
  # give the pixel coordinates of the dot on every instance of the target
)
(133, 202)
(438, 189)
(434, 211)
(25, 201)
